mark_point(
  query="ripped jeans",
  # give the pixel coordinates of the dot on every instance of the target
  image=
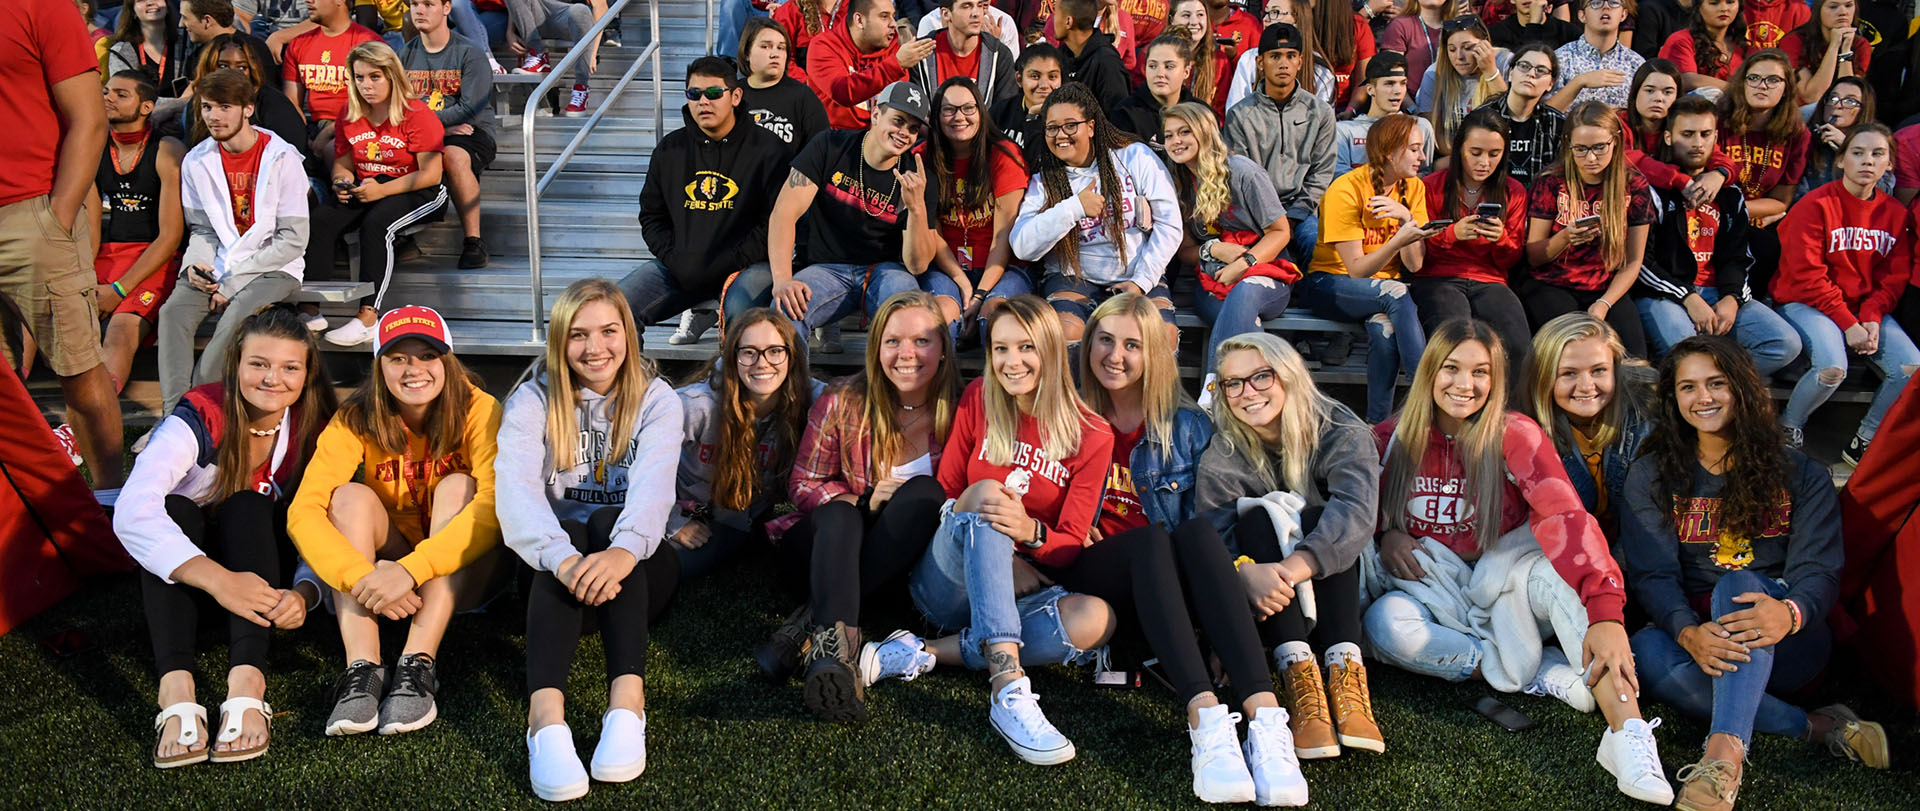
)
(1395, 339)
(1827, 347)
(965, 581)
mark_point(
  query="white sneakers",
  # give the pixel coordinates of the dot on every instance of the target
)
(1560, 679)
(901, 655)
(1219, 768)
(353, 333)
(553, 766)
(315, 322)
(1270, 758)
(1633, 759)
(1015, 714)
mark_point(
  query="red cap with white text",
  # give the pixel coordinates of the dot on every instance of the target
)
(413, 321)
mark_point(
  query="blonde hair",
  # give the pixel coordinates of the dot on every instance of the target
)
(1160, 394)
(1211, 194)
(378, 54)
(563, 399)
(876, 398)
(1543, 366)
(1303, 413)
(1056, 407)
(1481, 440)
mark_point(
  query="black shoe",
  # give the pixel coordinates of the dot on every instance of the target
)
(1856, 448)
(1339, 346)
(833, 689)
(405, 249)
(473, 253)
(779, 657)
(611, 36)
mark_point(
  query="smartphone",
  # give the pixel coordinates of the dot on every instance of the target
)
(1434, 227)
(203, 273)
(1508, 718)
(1489, 211)
(1589, 221)
(342, 185)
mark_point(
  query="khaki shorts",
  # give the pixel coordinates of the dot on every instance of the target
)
(48, 281)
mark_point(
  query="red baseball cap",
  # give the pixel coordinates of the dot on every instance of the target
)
(413, 321)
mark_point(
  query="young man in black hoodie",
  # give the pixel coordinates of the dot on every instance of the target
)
(703, 211)
(964, 48)
(1090, 58)
(1037, 73)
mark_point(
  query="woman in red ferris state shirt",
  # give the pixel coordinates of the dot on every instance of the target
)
(385, 175)
(1025, 464)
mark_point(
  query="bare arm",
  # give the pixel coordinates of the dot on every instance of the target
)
(1762, 210)
(292, 89)
(1006, 208)
(1629, 271)
(172, 223)
(795, 198)
(77, 99)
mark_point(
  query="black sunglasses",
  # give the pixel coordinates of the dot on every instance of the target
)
(711, 93)
(1460, 23)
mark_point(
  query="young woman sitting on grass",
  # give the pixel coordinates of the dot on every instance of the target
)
(588, 517)
(202, 512)
(415, 538)
(1732, 545)
(1468, 485)
(1572, 387)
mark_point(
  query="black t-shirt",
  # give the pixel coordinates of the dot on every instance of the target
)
(1654, 21)
(1510, 34)
(859, 214)
(788, 109)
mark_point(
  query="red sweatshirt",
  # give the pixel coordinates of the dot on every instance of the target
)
(1846, 257)
(846, 79)
(1537, 493)
(1769, 21)
(1659, 173)
(1063, 494)
(788, 15)
(1474, 260)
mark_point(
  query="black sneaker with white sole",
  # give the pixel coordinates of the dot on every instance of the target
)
(1856, 448)
(474, 254)
(409, 705)
(356, 699)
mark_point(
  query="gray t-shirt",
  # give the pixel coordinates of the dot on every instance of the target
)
(1255, 204)
(456, 83)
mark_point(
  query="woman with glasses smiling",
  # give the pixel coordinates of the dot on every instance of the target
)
(1762, 133)
(1588, 229)
(975, 182)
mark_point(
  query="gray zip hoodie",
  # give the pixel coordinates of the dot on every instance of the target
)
(1346, 482)
(700, 406)
(532, 498)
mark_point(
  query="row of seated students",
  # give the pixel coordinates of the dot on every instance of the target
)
(1545, 526)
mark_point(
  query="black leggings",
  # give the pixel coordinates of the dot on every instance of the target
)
(1336, 596)
(851, 553)
(245, 533)
(1545, 302)
(555, 619)
(1444, 299)
(379, 224)
(1764, 244)
(1137, 567)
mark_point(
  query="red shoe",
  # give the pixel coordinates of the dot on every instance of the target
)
(536, 62)
(64, 434)
(578, 105)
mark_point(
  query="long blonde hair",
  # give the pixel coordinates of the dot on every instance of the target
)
(1302, 415)
(1160, 394)
(874, 398)
(563, 397)
(1056, 407)
(1205, 177)
(1205, 80)
(1481, 441)
(1543, 366)
(1613, 182)
(1449, 84)
(380, 55)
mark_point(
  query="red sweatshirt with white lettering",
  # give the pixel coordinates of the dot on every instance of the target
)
(1846, 257)
(1063, 494)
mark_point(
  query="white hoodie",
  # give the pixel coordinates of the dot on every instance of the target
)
(1036, 232)
(278, 238)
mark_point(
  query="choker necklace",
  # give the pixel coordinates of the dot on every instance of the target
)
(268, 432)
(905, 407)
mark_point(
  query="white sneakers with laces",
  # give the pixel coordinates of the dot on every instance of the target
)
(353, 333)
(1271, 760)
(1633, 759)
(1560, 679)
(1015, 714)
(901, 655)
(553, 765)
(1219, 768)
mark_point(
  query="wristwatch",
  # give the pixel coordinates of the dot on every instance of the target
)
(1249, 258)
(1039, 536)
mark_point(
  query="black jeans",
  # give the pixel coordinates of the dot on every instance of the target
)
(1545, 302)
(725, 544)
(1444, 299)
(245, 533)
(1764, 243)
(555, 619)
(850, 553)
(379, 224)
(1336, 595)
(1137, 568)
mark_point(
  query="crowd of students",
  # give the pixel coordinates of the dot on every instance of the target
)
(1512, 225)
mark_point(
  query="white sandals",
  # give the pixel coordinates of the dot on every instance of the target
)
(193, 719)
(232, 712)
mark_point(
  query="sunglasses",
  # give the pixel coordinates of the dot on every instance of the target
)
(709, 93)
(1460, 24)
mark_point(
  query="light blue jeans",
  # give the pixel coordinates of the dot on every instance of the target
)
(965, 581)
(1827, 348)
(1248, 301)
(1768, 337)
(1395, 339)
(841, 290)
(1012, 283)
(730, 19)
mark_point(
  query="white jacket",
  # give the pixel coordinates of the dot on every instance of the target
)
(171, 465)
(278, 238)
(1142, 176)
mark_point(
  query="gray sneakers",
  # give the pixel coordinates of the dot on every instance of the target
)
(356, 699)
(409, 705)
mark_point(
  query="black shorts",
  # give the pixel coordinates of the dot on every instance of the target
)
(479, 146)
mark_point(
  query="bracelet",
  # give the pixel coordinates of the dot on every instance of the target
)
(1239, 561)
(1795, 609)
(117, 289)
(979, 295)
(1606, 302)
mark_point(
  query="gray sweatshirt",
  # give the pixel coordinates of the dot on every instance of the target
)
(456, 83)
(1143, 178)
(1294, 143)
(1346, 479)
(532, 498)
(700, 406)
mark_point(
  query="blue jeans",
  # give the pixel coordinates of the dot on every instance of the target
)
(1248, 301)
(1767, 336)
(730, 19)
(466, 23)
(1736, 703)
(1306, 234)
(1012, 283)
(841, 290)
(655, 295)
(1395, 340)
(1827, 349)
(965, 581)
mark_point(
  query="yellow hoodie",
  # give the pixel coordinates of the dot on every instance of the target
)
(405, 486)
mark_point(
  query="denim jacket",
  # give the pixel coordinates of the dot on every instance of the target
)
(1614, 463)
(1166, 486)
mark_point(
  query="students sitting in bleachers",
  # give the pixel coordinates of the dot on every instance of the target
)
(535, 20)
(137, 198)
(1289, 132)
(963, 48)
(451, 76)
(313, 69)
(975, 184)
(848, 65)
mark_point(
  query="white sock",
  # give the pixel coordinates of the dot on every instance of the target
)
(1346, 651)
(1293, 653)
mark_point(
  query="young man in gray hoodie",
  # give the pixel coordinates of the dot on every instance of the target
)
(1288, 132)
(451, 75)
(965, 49)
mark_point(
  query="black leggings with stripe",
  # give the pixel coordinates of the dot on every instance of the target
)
(378, 223)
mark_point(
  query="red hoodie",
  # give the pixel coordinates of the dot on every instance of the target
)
(1846, 257)
(1768, 21)
(1537, 493)
(846, 80)
(788, 16)
(1062, 494)
(1659, 173)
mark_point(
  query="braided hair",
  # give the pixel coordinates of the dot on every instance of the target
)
(1053, 171)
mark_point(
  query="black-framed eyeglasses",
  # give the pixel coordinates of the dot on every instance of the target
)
(967, 110)
(1068, 128)
(1260, 381)
(1766, 82)
(709, 93)
(1847, 103)
(1461, 23)
(1532, 69)
(1589, 150)
(751, 355)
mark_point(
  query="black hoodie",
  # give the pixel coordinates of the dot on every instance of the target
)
(1141, 113)
(704, 208)
(1097, 66)
(1021, 127)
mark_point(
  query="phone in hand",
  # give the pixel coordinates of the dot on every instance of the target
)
(1508, 718)
(1434, 228)
(204, 274)
(343, 185)
(1589, 221)
(1489, 211)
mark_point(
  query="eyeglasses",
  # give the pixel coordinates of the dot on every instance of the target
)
(751, 355)
(1590, 150)
(1605, 4)
(960, 111)
(1275, 15)
(1065, 127)
(709, 93)
(1532, 69)
(1260, 381)
(1846, 103)
(1765, 82)
(1459, 24)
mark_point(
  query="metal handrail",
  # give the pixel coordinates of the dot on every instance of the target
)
(710, 32)
(534, 188)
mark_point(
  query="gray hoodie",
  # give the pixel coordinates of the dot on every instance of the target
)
(700, 406)
(1346, 477)
(1294, 143)
(532, 498)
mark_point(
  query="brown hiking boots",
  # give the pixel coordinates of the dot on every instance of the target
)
(1353, 705)
(833, 688)
(1313, 735)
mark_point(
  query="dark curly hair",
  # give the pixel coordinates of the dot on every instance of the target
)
(1756, 463)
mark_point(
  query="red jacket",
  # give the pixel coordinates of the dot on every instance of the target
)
(1846, 257)
(1476, 260)
(1063, 494)
(1663, 175)
(1878, 613)
(788, 16)
(846, 79)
